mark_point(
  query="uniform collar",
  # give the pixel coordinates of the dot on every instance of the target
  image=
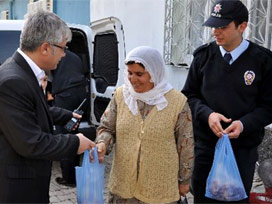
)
(237, 51)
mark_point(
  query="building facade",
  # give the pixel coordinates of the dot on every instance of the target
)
(71, 11)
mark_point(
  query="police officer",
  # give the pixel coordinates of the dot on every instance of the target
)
(229, 91)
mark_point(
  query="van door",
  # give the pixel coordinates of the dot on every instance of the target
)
(108, 54)
(81, 45)
(10, 31)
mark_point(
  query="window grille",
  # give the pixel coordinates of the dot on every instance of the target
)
(184, 31)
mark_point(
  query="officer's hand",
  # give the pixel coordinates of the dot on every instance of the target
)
(215, 125)
(234, 129)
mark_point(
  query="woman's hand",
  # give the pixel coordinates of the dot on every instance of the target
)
(101, 151)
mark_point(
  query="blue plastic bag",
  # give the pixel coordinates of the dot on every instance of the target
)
(224, 182)
(90, 180)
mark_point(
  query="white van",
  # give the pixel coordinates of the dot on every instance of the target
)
(101, 48)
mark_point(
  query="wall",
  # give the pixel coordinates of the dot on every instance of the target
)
(73, 11)
(19, 9)
(137, 16)
(143, 22)
(4, 5)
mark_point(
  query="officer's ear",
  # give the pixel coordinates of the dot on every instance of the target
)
(242, 27)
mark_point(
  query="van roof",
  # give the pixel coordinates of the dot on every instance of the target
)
(8, 25)
(11, 24)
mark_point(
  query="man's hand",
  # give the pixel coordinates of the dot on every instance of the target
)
(101, 151)
(75, 115)
(214, 123)
(234, 129)
(84, 143)
(184, 189)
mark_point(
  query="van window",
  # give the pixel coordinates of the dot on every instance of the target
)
(9, 42)
(105, 62)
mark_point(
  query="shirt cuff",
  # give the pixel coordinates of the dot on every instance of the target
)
(241, 125)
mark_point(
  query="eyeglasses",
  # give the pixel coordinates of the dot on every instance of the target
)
(64, 48)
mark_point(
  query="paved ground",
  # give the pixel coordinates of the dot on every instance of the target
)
(59, 193)
(66, 195)
(62, 194)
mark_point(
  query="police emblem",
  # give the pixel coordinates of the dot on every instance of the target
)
(216, 11)
(249, 77)
(217, 8)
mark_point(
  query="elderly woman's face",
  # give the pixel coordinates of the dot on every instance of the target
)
(139, 78)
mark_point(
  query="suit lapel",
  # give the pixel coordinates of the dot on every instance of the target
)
(32, 80)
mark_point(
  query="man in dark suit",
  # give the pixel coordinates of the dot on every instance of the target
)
(27, 143)
(69, 90)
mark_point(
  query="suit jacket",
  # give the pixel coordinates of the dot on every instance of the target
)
(70, 73)
(27, 145)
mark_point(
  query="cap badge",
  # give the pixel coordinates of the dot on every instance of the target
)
(216, 11)
(249, 77)
(217, 8)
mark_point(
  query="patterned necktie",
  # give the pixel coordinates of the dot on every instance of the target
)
(227, 57)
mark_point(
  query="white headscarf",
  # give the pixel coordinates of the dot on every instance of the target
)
(152, 60)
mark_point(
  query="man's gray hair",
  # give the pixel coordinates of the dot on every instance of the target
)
(43, 26)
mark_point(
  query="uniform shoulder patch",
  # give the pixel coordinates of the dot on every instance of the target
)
(201, 48)
(266, 50)
(263, 49)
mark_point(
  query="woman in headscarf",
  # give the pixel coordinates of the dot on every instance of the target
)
(150, 123)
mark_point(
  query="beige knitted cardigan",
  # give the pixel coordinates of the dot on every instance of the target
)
(157, 177)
